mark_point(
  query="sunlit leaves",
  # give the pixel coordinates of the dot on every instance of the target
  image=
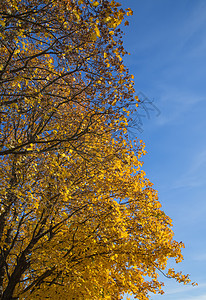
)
(79, 219)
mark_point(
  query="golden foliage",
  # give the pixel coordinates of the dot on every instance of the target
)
(79, 219)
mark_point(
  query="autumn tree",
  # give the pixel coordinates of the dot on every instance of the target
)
(79, 219)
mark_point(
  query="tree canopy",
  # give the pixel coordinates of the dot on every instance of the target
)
(79, 218)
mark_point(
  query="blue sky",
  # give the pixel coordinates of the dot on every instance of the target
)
(167, 42)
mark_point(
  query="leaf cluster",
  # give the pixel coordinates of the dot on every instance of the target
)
(79, 219)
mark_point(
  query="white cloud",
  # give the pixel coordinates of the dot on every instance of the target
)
(174, 103)
(200, 297)
(185, 288)
(195, 175)
(192, 29)
(200, 257)
(184, 293)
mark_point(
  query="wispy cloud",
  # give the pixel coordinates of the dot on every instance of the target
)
(195, 175)
(200, 257)
(200, 297)
(188, 291)
(175, 103)
(183, 288)
(193, 30)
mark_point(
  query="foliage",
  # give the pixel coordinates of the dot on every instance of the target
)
(79, 219)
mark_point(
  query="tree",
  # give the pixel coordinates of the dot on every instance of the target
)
(79, 219)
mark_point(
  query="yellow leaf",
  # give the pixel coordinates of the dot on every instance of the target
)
(96, 29)
(95, 3)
